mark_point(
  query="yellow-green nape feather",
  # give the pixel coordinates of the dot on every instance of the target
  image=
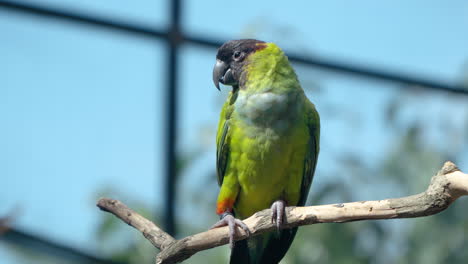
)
(268, 66)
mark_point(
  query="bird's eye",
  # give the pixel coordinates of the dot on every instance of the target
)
(237, 55)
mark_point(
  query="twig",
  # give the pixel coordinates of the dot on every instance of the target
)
(153, 233)
(6, 220)
(445, 187)
(4, 225)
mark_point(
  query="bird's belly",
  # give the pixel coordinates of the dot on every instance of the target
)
(269, 167)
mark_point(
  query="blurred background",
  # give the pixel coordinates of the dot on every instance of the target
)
(115, 98)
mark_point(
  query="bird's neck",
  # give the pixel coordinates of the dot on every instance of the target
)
(269, 70)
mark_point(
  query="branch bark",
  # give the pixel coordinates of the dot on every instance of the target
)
(150, 231)
(445, 187)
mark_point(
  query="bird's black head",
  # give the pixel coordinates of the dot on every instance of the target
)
(231, 59)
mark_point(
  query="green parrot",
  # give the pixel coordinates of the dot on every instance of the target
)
(267, 145)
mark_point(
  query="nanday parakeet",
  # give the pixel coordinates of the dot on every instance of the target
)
(267, 144)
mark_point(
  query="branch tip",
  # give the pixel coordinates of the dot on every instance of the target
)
(448, 167)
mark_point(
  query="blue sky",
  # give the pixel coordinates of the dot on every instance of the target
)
(82, 109)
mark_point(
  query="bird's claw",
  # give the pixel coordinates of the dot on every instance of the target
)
(278, 213)
(229, 220)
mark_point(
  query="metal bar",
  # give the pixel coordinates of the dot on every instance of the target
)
(48, 247)
(80, 17)
(175, 40)
(326, 64)
(373, 73)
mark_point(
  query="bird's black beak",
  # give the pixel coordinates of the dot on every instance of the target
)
(222, 74)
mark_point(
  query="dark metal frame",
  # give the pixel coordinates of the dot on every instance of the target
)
(174, 36)
(51, 248)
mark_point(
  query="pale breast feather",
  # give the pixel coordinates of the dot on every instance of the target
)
(267, 109)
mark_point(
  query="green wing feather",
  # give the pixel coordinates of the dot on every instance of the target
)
(222, 142)
(310, 162)
(222, 152)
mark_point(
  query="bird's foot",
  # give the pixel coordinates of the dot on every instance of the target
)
(227, 219)
(278, 213)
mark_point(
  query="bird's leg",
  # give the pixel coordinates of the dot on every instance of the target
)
(228, 219)
(278, 213)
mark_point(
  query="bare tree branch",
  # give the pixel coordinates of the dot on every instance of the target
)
(7, 219)
(445, 187)
(4, 224)
(150, 231)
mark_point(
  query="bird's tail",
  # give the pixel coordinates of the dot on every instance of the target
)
(267, 248)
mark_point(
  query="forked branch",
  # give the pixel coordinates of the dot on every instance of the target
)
(445, 187)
